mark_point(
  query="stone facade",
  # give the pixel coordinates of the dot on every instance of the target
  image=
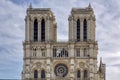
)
(47, 59)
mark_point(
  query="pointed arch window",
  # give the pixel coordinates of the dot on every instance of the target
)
(35, 30)
(85, 74)
(43, 52)
(85, 30)
(78, 30)
(85, 52)
(78, 52)
(62, 53)
(35, 74)
(34, 52)
(54, 52)
(78, 74)
(43, 30)
(43, 74)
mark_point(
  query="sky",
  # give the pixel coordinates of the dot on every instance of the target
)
(12, 31)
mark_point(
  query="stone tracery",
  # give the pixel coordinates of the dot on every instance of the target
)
(61, 70)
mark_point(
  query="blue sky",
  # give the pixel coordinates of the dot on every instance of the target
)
(12, 14)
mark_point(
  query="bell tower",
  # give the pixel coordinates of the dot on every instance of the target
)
(40, 25)
(82, 24)
(40, 30)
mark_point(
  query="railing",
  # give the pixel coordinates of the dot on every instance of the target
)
(67, 78)
(51, 79)
(37, 79)
(78, 79)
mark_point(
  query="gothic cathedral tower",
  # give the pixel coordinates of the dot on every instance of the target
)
(47, 59)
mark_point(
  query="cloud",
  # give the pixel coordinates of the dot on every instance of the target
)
(12, 34)
(12, 27)
(113, 73)
(108, 31)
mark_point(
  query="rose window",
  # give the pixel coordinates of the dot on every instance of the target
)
(61, 70)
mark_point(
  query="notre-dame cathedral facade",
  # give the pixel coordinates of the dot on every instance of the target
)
(45, 58)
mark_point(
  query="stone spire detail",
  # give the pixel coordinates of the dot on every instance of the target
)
(30, 6)
(89, 6)
(100, 69)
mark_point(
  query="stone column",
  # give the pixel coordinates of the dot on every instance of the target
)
(48, 50)
(91, 68)
(81, 29)
(48, 62)
(71, 29)
(31, 29)
(72, 75)
(27, 26)
(48, 70)
(82, 74)
(26, 69)
(39, 29)
(89, 29)
(92, 27)
(51, 29)
(27, 51)
(46, 30)
(38, 52)
(81, 52)
(91, 51)
(74, 30)
(72, 52)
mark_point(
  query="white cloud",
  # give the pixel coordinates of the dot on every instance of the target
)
(12, 31)
(12, 34)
